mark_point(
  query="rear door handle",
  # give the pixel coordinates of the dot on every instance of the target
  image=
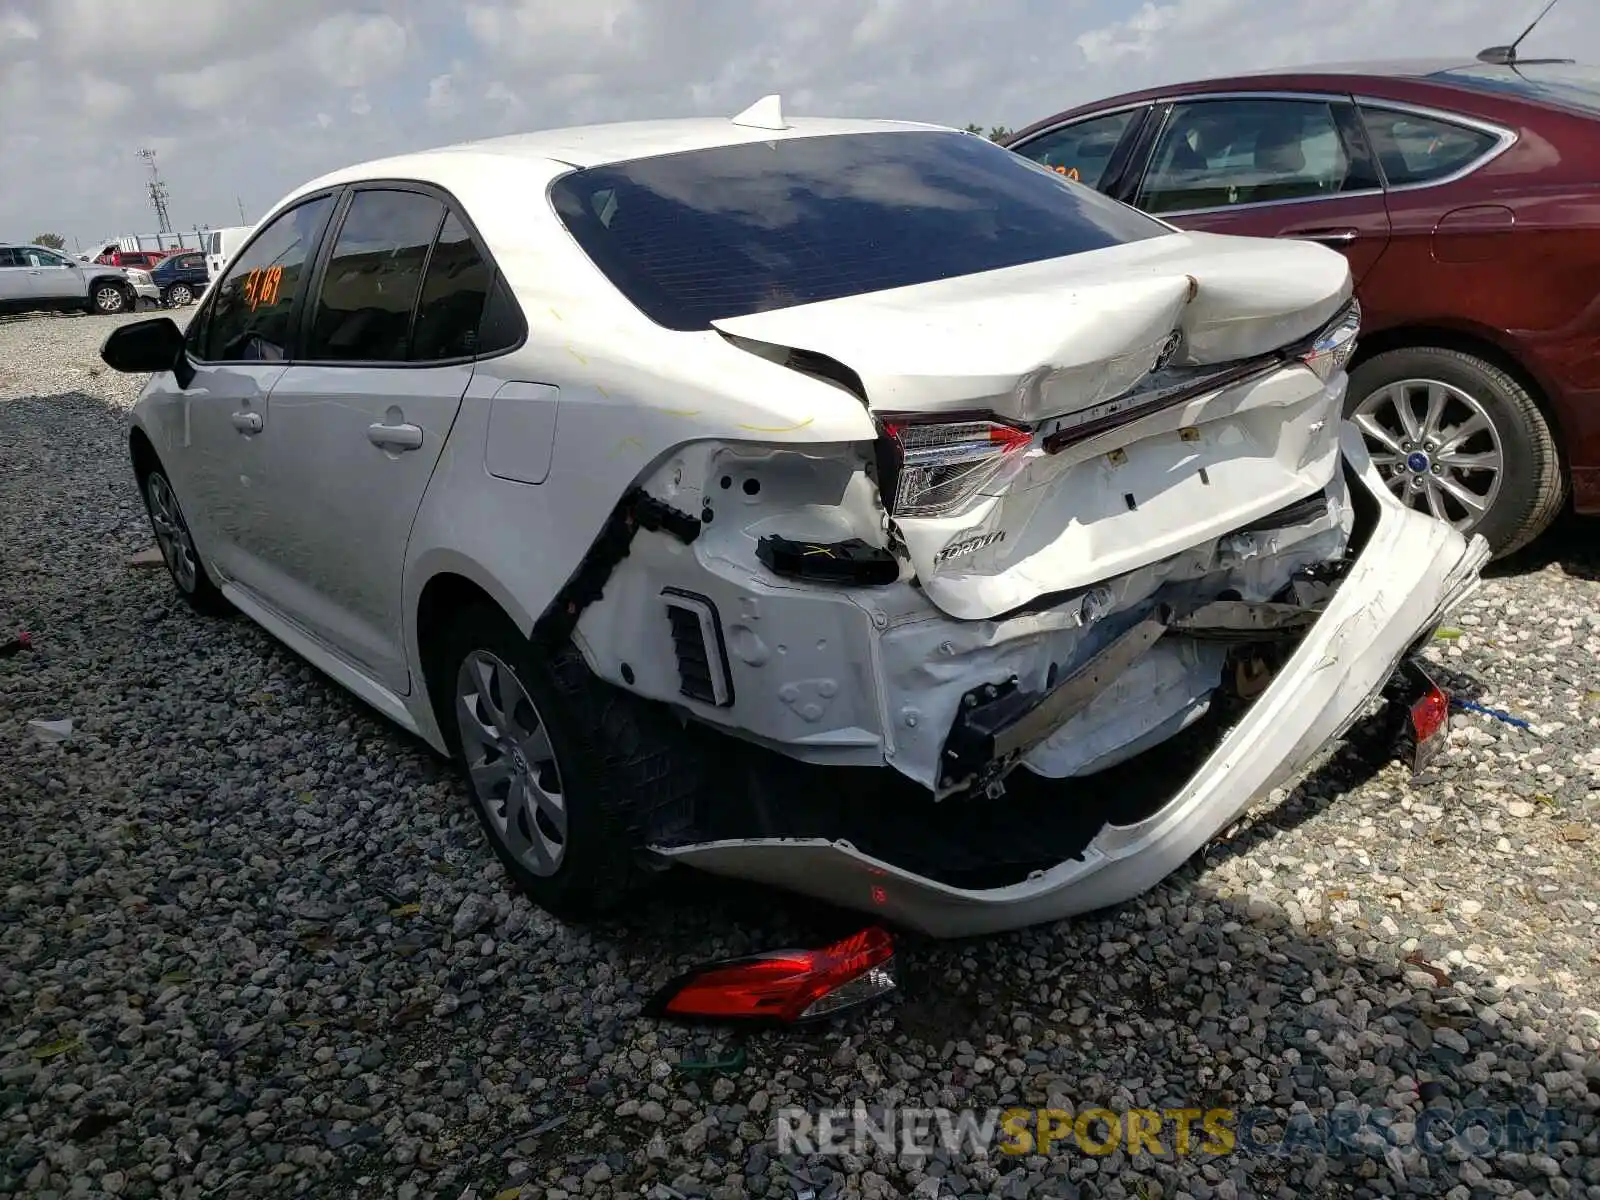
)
(395, 437)
(1328, 237)
(247, 422)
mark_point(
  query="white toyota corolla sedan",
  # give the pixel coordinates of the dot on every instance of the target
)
(853, 506)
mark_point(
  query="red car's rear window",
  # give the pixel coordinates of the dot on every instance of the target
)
(1566, 85)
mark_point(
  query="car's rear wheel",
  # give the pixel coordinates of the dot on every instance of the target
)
(109, 299)
(566, 773)
(1457, 437)
(179, 295)
(177, 546)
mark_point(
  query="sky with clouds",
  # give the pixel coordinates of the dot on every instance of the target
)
(244, 99)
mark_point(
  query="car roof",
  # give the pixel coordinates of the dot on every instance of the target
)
(1394, 68)
(1345, 76)
(599, 145)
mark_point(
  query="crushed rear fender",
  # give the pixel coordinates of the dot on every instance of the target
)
(1410, 572)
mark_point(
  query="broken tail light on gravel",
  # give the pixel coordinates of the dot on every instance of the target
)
(1430, 719)
(940, 465)
(784, 986)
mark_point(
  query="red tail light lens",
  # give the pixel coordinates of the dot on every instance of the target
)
(942, 465)
(1430, 723)
(785, 986)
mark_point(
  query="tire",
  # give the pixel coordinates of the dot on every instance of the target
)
(177, 546)
(618, 764)
(1529, 490)
(108, 299)
(177, 295)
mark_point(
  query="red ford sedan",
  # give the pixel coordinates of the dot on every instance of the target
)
(1467, 198)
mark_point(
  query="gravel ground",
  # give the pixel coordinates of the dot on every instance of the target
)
(255, 944)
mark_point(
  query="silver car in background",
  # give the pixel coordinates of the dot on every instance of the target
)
(38, 279)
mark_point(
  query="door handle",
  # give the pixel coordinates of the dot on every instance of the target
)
(395, 437)
(247, 422)
(1328, 237)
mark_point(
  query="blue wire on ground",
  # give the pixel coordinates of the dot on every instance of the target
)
(1496, 713)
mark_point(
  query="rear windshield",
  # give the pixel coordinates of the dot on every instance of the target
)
(693, 237)
(1565, 84)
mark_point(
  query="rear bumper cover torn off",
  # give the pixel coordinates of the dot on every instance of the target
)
(1411, 571)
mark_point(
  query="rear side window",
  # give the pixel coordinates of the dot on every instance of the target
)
(693, 237)
(10, 258)
(253, 306)
(1417, 149)
(373, 277)
(1220, 153)
(453, 295)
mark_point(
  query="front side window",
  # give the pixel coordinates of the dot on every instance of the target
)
(1082, 150)
(1221, 153)
(1417, 149)
(253, 306)
(701, 235)
(44, 258)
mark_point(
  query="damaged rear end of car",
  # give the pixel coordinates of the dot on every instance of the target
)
(1110, 568)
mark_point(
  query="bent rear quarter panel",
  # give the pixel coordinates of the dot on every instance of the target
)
(630, 393)
(1517, 262)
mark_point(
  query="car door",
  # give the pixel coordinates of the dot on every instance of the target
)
(219, 427)
(1293, 166)
(53, 277)
(16, 284)
(362, 414)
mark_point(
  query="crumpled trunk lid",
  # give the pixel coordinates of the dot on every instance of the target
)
(1068, 349)
(1051, 338)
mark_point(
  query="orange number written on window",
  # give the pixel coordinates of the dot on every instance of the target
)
(1069, 172)
(261, 286)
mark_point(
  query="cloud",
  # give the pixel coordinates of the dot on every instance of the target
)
(354, 51)
(15, 27)
(249, 98)
(442, 101)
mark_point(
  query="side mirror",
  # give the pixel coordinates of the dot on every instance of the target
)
(146, 347)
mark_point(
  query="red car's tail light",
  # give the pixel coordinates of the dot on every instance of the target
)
(785, 986)
(941, 465)
(1333, 347)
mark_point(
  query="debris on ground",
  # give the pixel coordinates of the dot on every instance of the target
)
(151, 888)
(1497, 713)
(52, 731)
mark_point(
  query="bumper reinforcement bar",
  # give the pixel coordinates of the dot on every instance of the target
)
(998, 722)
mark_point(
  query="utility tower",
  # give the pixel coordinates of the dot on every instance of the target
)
(158, 192)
